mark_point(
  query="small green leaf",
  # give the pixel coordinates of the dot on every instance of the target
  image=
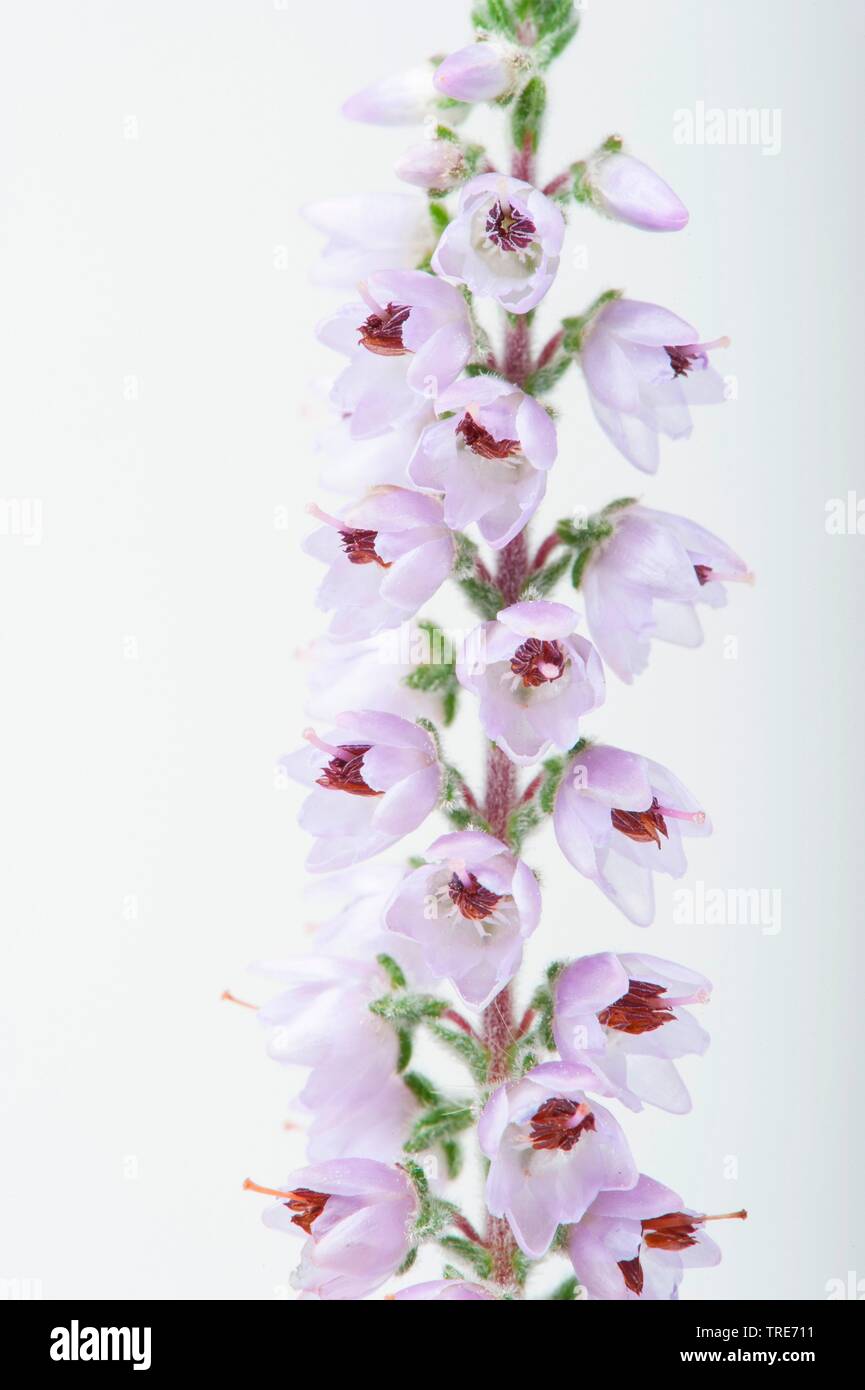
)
(543, 581)
(453, 1157)
(405, 1048)
(473, 1053)
(485, 598)
(521, 821)
(542, 381)
(494, 15)
(477, 1256)
(554, 770)
(441, 1122)
(421, 1088)
(528, 114)
(566, 1292)
(407, 1009)
(393, 971)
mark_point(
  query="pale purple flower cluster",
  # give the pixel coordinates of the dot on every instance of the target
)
(442, 439)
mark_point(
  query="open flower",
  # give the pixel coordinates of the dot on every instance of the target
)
(356, 1103)
(504, 242)
(350, 466)
(534, 677)
(386, 556)
(644, 367)
(638, 1244)
(446, 1291)
(646, 580)
(629, 191)
(490, 459)
(357, 1215)
(409, 340)
(619, 818)
(375, 778)
(482, 71)
(368, 232)
(371, 674)
(551, 1152)
(625, 1017)
(470, 909)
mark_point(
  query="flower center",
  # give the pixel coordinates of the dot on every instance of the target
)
(537, 662)
(682, 359)
(481, 442)
(641, 1010)
(303, 1201)
(509, 229)
(359, 546)
(642, 826)
(560, 1124)
(343, 772)
(471, 898)
(381, 333)
(703, 573)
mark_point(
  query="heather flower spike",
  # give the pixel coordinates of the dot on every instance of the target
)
(425, 894)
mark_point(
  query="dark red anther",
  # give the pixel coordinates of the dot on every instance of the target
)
(632, 1273)
(642, 826)
(359, 546)
(682, 359)
(703, 573)
(641, 1010)
(560, 1124)
(509, 229)
(343, 772)
(382, 333)
(537, 662)
(306, 1205)
(471, 898)
(481, 442)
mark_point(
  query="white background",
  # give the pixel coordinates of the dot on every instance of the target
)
(160, 386)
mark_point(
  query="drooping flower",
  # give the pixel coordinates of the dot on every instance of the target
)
(534, 678)
(374, 779)
(446, 1291)
(367, 232)
(482, 71)
(386, 556)
(624, 1016)
(551, 1152)
(357, 1215)
(490, 458)
(644, 367)
(351, 466)
(638, 1244)
(356, 1104)
(408, 341)
(436, 163)
(370, 673)
(470, 908)
(619, 818)
(504, 242)
(629, 191)
(399, 99)
(646, 580)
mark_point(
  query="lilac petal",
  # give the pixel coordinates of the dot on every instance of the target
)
(640, 322)
(632, 192)
(480, 72)
(609, 375)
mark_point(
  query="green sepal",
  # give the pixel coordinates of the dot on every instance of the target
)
(542, 381)
(453, 1156)
(485, 598)
(494, 16)
(393, 971)
(543, 581)
(479, 1258)
(554, 771)
(521, 822)
(528, 114)
(441, 1122)
(407, 1009)
(468, 1049)
(421, 1088)
(404, 1049)
(566, 1291)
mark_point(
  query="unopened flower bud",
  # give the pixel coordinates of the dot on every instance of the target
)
(432, 164)
(402, 98)
(631, 192)
(480, 72)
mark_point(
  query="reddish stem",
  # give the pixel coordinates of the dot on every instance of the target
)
(482, 572)
(523, 166)
(558, 182)
(531, 788)
(469, 797)
(551, 348)
(526, 1022)
(545, 549)
(463, 1224)
(456, 1018)
(518, 357)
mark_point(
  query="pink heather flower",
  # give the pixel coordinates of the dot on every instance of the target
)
(408, 341)
(618, 819)
(624, 1017)
(350, 466)
(481, 72)
(368, 232)
(375, 778)
(646, 580)
(504, 242)
(387, 555)
(490, 459)
(551, 1152)
(629, 191)
(401, 98)
(534, 677)
(371, 674)
(446, 1291)
(436, 163)
(357, 1215)
(357, 1104)
(638, 1244)
(470, 909)
(638, 361)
